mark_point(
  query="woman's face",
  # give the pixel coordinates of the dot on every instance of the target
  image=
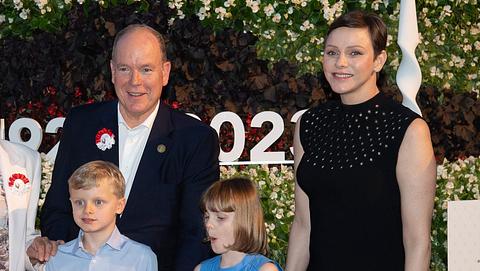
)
(350, 65)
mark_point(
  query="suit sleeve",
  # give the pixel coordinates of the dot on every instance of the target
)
(33, 205)
(56, 218)
(201, 171)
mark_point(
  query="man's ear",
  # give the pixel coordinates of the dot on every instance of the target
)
(166, 66)
(112, 70)
(379, 61)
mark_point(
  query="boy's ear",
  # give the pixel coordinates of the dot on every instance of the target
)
(121, 205)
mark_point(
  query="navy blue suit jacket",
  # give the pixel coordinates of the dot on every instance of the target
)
(162, 209)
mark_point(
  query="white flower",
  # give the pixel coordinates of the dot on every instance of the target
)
(306, 25)
(223, 170)
(253, 5)
(24, 13)
(229, 3)
(276, 18)
(41, 3)
(477, 45)
(2, 18)
(269, 10)
(271, 226)
(273, 195)
(292, 35)
(180, 14)
(202, 13)
(106, 142)
(298, 56)
(18, 4)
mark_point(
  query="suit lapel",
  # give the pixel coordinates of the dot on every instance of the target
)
(109, 120)
(158, 146)
(13, 162)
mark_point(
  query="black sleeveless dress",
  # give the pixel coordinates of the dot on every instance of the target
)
(348, 173)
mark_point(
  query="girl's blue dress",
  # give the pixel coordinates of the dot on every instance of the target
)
(251, 262)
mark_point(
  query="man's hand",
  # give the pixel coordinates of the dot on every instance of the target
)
(42, 249)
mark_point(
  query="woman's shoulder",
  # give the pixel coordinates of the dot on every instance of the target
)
(395, 106)
(323, 110)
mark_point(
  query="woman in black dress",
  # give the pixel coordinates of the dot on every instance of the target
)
(364, 165)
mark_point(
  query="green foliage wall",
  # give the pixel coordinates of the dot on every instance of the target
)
(294, 30)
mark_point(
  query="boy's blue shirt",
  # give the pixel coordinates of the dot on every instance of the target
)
(119, 253)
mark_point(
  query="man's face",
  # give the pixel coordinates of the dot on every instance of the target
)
(95, 209)
(139, 73)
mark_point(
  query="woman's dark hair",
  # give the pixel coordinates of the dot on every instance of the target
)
(376, 28)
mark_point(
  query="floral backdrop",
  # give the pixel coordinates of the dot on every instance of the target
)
(294, 29)
(246, 56)
(456, 180)
(44, 74)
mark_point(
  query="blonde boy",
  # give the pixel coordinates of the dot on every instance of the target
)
(97, 192)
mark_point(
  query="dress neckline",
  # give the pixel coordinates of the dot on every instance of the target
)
(368, 104)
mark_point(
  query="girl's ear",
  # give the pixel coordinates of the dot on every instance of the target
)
(379, 61)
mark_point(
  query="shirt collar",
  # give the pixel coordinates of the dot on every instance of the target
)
(115, 241)
(146, 123)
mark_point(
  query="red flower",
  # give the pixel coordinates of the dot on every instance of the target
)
(17, 176)
(175, 105)
(52, 109)
(104, 139)
(78, 92)
(50, 91)
(19, 183)
(102, 132)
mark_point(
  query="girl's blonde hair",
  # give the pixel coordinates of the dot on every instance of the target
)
(239, 195)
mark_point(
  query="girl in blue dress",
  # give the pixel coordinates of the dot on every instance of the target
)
(235, 228)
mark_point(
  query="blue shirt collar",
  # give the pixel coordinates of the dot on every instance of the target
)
(116, 241)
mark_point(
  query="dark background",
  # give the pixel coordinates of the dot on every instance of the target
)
(43, 76)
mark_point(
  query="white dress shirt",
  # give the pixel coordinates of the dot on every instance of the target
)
(132, 142)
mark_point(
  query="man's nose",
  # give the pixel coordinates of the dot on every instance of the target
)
(136, 78)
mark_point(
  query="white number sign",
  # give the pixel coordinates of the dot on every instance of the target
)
(258, 153)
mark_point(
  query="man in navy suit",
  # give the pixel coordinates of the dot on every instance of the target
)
(167, 158)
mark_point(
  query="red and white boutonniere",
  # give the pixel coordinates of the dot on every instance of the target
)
(105, 139)
(19, 183)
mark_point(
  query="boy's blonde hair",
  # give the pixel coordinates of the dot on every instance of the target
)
(239, 195)
(93, 173)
